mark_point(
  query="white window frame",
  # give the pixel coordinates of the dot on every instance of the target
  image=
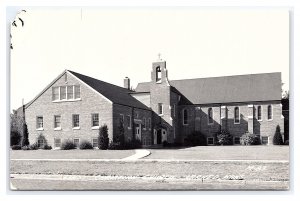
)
(265, 137)
(271, 113)
(57, 128)
(162, 109)
(92, 119)
(261, 113)
(236, 138)
(66, 98)
(40, 145)
(37, 124)
(210, 138)
(93, 142)
(77, 146)
(56, 143)
(130, 122)
(212, 116)
(239, 117)
(75, 127)
(187, 117)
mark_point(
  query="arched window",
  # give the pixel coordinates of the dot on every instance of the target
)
(185, 117)
(158, 74)
(236, 115)
(259, 113)
(270, 115)
(210, 116)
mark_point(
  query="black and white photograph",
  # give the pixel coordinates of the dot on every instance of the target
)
(149, 99)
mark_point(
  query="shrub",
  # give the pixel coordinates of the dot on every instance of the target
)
(165, 143)
(250, 139)
(26, 147)
(16, 147)
(196, 138)
(85, 145)
(286, 142)
(277, 140)
(47, 147)
(67, 145)
(34, 146)
(103, 137)
(224, 138)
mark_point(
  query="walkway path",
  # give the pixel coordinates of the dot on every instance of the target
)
(139, 153)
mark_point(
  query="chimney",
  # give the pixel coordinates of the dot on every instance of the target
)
(127, 83)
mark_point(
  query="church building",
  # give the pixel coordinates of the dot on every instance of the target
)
(73, 106)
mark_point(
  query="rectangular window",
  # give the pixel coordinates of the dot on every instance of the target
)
(185, 117)
(75, 120)
(77, 91)
(265, 140)
(259, 118)
(144, 123)
(121, 120)
(237, 140)
(160, 109)
(55, 93)
(41, 143)
(39, 122)
(95, 142)
(174, 110)
(128, 120)
(63, 94)
(95, 119)
(210, 116)
(210, 141)
(236, 115)
(57, 142)
(76, 142)
(270, 112)
(149, 121)
(136, 115)
(70, 91)
(57, 121)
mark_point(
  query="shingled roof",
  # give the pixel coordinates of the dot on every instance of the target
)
(227, 89)
(116, 94)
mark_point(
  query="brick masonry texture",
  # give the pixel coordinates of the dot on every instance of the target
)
(171, 120)
(90, 103)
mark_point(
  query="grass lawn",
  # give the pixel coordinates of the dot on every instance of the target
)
(70, 154)
(223, 153)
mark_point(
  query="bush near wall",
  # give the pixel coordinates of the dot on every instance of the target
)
(85, 145)
(16, 147)
(133, 144)
(250, 139)
(67, 145)
(196, 138)
(224, 138)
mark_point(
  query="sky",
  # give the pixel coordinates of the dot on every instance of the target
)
(112, 43)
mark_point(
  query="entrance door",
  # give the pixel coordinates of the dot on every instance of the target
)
(159, 136)
(138, 131)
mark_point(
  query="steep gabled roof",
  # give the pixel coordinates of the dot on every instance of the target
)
(116, 94)
(227, 89)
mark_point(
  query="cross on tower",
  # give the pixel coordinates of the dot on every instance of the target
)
(159, 57)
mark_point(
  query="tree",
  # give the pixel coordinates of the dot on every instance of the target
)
(120, 137)
(277, 140)
(250, 139)
(25, 140)
(103, 137)
(16, 128)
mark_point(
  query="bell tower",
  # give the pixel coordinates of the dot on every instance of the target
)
(159, 72)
